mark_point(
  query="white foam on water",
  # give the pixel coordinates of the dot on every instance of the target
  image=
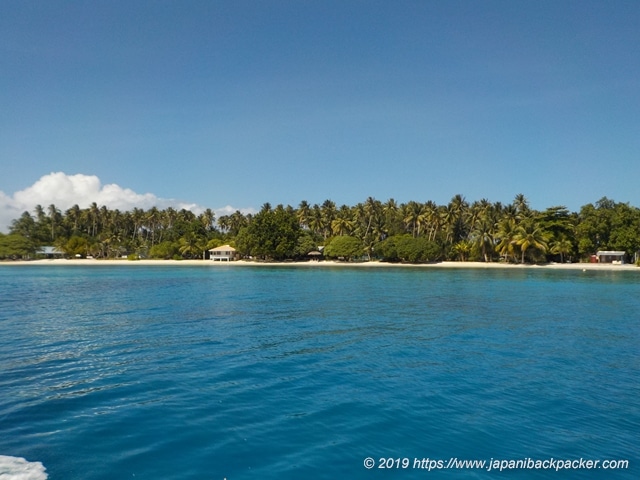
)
(16, 468)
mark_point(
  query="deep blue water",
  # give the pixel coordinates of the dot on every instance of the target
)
(292, 373)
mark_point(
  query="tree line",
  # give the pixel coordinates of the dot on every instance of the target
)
(412, 232)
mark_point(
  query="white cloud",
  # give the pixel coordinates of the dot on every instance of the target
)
(64, 191)
(228, 210)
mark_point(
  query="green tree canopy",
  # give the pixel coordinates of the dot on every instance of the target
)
(344, 246)
(272, 233)
(406, 248)
(16, 246)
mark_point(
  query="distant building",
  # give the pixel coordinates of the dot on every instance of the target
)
(50, 252)
(224, 253)
(610, 256)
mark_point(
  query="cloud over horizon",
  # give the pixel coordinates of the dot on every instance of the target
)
(64, 191)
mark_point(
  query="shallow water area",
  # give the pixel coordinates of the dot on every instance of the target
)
(238, 373)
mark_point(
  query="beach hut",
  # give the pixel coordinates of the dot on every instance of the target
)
(610, 256)
(314, 255)
(224, 253)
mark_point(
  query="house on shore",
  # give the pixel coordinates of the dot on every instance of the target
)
(225, 253)
(611, 256)
(50, 252)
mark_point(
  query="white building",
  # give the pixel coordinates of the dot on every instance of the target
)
(610, 256)
(223, 253)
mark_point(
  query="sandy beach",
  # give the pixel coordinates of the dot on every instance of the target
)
(322, 264)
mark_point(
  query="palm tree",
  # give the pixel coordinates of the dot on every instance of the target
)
(463, 249)
(73, 215)
(94, 247)
(104, 217)
(111, 231)
(207, 218)
(448, 218)
(137, 217)
(170, 217)
(562, 246)
(236, 221)
(41, 216)
(459, 204)
(93, 215)
(411, 213)
(372, 209)
(432, 217)
(521, 205)
(266, 207)
(530, 236)
(152, 219)
(55, 218)
(127, 224)
(456, 213)
(483, 236)
(224, 223)
(392, 218)
(186, 215)
(315, 222)
(189, 244)
(111, 239)
(510, 212)
(343, 223)
(477, 211)
(303, 213)
(203, 245)
(506, 246)
(329, 211)
(42, 231)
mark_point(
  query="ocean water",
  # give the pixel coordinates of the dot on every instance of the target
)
(304, 373)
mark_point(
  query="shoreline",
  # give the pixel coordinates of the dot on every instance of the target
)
(322, 264)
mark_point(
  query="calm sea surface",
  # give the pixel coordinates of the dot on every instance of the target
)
(302, 373)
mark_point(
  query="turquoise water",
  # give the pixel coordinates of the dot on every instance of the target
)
(291, 373)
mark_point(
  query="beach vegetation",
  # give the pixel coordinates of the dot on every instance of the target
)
(189, 245)
(26, 227)
(271, 234)
(344, 247)
(607, 225)
(412, 232)
(563, 247)
(16, 247)
(531, 240)
(505, 236)
(164, 250)
(75, 246)
(463, 250)
(408, 249)
(306, 242)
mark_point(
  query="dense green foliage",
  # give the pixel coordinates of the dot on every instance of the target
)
(410, 232)
(270, 234)
(405, 248)
(344, 247)
(16, 246)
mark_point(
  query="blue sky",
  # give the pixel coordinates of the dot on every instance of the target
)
(237, 103)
